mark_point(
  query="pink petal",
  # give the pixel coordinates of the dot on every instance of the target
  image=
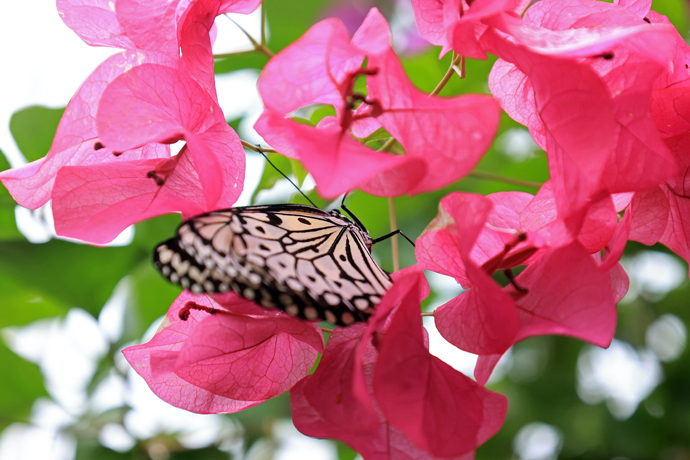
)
(614, 249)
(450, 134)
(434, 19)
(374, 35)
(639, 7)
(515, 92)
(620, 125)
(171, 338)
(481, 320)
(219, 161)
(438, 408)
(76, 139)
(95, 22)
(154, 103)
(195, 36)
(337, 162)
(95, 203)
(246, 358)
(324, 406)
(310, 70)
(676, 235)
(567, 295)
(150, 24)
(650, 214)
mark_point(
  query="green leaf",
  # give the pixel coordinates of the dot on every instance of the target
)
(22, 305)
(302, 15)
(298, 171)
(72, 274)
(33, 130)
(20, 385)
(253, 60)
(152, 295)
(8, 224)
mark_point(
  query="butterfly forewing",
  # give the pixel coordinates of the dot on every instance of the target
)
(307, 262)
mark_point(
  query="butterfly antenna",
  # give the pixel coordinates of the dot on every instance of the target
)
(349, 213)
(260, 150)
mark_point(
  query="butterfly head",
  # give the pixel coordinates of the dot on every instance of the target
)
(355, 225)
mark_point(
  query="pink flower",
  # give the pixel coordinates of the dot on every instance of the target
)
(76, 141)
(443, 137)
(572, 67)
(458, 25)
(151, 104)
(562, 291)
(379, 390)
(105, 176)
(208, 358)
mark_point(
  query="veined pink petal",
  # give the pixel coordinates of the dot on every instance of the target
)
(567, 295)
(409, 286)
(611, 107)
(324, 406)
(195, 36)
(310, 70)
(246, 358)
(515, 92)
(450, 134)
(614, 249)
(154, 103)
(170, 338)
(438, 408)
(337, 162)
(76, 140)
(150, 24)
(95, 22)
(639, 7)
(650, 214)
(219, 161)
(95, 203)
(434, 18)
(481, 320)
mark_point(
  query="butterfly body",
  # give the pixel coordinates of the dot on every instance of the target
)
(313, 264)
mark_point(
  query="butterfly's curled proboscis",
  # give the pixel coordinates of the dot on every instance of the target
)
(313, 264)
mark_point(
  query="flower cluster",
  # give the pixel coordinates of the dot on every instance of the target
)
(601, 88)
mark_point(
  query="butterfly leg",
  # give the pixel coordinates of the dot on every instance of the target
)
(391, 234)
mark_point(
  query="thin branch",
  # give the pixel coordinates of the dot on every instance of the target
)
(260, 47)
(394, 238)
(507, 180)
(263, 25)
(449, 73)
(250, 146)
(388, 145)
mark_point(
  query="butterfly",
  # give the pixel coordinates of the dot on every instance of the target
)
(313, 264)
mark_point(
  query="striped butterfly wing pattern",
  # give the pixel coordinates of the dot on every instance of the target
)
(313, 264)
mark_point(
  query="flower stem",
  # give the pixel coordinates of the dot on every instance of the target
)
(394, 238)
(428, 313)
(254, 148)
(457, 59)
(259, 47)
(325, 330)
(507, 180)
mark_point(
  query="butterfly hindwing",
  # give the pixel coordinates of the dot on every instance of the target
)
(312, 264)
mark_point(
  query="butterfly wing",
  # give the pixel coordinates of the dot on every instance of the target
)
(307, 262)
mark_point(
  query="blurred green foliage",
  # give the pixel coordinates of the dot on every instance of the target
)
(46, 280)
